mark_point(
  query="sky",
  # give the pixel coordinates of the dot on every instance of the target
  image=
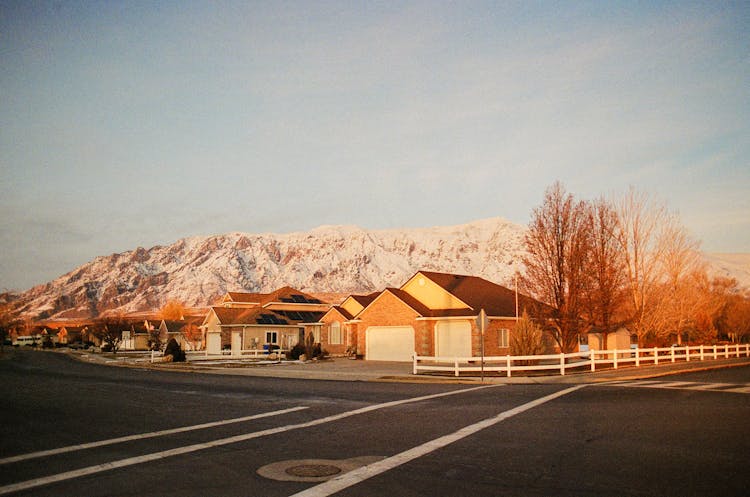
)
(126, 124)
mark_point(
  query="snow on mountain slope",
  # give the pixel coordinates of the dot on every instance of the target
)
(735, 266)
(198, 270)
(328, 259)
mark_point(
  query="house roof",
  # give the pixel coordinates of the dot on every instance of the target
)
(243, 297)
(365, 300)
(344, 313)
(285, 294)
(478, 293)
(229, 316)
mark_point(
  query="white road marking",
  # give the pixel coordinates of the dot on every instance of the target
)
(710, 386)
(46, 480)
(738, 390)
(140, 436)
(366, 472)
(683, 385)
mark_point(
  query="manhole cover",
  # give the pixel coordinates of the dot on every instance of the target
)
(313, 470)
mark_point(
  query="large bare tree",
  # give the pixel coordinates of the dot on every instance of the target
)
(557, 244)
(639, 220)
(605, 285)
(109, 330)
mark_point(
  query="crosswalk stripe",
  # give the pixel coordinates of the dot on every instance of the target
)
(738, 390)
(685, 385)
(710, 386)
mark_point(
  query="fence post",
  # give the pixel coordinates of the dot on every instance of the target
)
(726, 351)
(152, 356)
(715, 353)
(672, 353)
(687, 353)
(637, 357)
(738, 350)
(592, 356)
(455, 365)
(414, 357)
(701, 352)
(614, 359)
(562, 364)
(656, 356)
(508, 363)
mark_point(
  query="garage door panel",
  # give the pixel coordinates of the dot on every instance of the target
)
(390, 343)
(453, 339)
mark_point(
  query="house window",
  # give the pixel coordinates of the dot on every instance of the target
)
(271, 337)
(502, 335)
(334, 336)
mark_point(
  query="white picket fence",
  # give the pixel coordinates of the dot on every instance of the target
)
(225, 355)
(587, 361)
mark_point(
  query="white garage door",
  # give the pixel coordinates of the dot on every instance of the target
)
(389, 343)
(213, 345)
(453, 339)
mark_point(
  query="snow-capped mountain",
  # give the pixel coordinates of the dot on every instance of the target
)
(330, 259)
(338, 259)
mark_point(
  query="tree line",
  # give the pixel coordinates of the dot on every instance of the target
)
(626, 261)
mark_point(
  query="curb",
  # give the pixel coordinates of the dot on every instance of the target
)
(627, 374)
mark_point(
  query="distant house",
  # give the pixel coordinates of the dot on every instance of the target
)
(185, 331)
(432, 314)
(72, 334)
(136, 334)
(254, 321)
(619, 339)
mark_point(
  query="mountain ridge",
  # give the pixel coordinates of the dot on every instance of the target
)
(197, 270)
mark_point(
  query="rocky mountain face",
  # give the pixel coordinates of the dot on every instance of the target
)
(336, 259)
(331, 259)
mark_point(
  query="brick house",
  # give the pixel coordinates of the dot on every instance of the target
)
(432, 314)
(338, 328)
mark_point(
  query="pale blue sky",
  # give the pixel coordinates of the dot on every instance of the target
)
(126, 124)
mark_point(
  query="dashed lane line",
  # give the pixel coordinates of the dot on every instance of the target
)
(140, 436)
(130, 461)
(366, 472)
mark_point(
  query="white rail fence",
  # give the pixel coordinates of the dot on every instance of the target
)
(586, 361)
(200, 355)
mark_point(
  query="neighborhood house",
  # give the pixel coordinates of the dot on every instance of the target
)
(258, 321)
(432, 314)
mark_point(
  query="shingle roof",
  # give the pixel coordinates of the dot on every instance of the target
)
(258, 315)
(346, 314)
(479, 294)
(365, 300)
(283, 294)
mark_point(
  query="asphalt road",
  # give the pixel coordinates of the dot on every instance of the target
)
(681, 435)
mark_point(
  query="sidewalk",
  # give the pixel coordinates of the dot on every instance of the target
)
(342, 369)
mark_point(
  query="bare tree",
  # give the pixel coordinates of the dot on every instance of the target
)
(685, 287)
(605, 289)
(639, 219)
(557, 244)
(109, 330)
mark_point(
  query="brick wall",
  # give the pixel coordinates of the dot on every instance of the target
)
(388, 310)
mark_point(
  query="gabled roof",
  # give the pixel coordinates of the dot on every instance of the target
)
(246, 298)
(285, 294)
(242, 316)
(176, 326)
(344, 313)
(365, 300)
(479, 293)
